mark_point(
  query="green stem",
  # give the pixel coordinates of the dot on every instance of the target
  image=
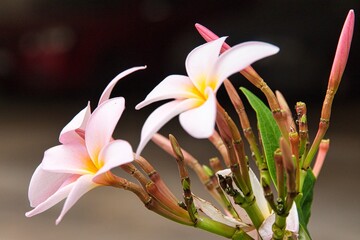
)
(220, 229)
(241, 235)
(254, 213)
(279, 227)
(227, 204)
(247, 130)
(248, 202)
(323, 126)
(302, 179)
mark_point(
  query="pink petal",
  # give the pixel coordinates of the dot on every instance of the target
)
(114, 154)
(200, 62)
(173, 86)
(101, 125)
(106, 93)
(81, 186)
(43, 184)
(69, 134)
(199, 122)
(52, 200)
(69, 158)
(239, 57)
(160, 117)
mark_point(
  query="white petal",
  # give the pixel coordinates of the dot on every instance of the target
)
(101, 125)
(254, 234)
(201, 61)
(239, 57)
(52, 200)
(69, 158)
(259, 194)
(160, 117)
(292, 221)
(69, 134)
(292, 224)
(211, 211)
(81, 186)
(199, 122)
(114, 154)
(43, 184)
(106, 93)
(173, 86)
(242, 213)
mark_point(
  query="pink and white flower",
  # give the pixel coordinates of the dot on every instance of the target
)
(194, 95)
(84, 159)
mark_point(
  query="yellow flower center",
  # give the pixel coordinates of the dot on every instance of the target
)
(202, 84)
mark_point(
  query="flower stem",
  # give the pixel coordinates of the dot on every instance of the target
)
(216, 140)
(192, 162)
(245, 124)
(279, 227)
(221, 229)
(155, 177)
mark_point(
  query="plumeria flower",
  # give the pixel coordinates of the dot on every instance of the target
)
(84, 159)
(265, 230)
(194, 95)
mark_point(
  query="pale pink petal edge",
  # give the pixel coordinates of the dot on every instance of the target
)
(159, 118)
(68, 133)
(107, 91)
(173, 86)
(101, 125)
(81, 186)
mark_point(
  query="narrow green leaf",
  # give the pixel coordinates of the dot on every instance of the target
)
(269, 131)
(304, 203)
(303, 233)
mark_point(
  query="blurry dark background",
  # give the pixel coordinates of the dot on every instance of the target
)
(56, 55)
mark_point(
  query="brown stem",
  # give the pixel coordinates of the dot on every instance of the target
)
(240, 151)
(191, 161)
(226, 136)
(301, 112)
(133, 171)
(323, 127)
(295, 142)
(285, 107)
(279, 166)
(244, 121)
(216, 140)
(155, 177)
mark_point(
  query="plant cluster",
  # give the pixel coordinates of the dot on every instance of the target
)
(272, 201)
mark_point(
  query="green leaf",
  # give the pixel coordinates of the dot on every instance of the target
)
(303, 233)
(269, 131)
(303, 204)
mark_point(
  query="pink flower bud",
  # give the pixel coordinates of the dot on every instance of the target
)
(342, 51)
(323, 150)
(210, 36)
